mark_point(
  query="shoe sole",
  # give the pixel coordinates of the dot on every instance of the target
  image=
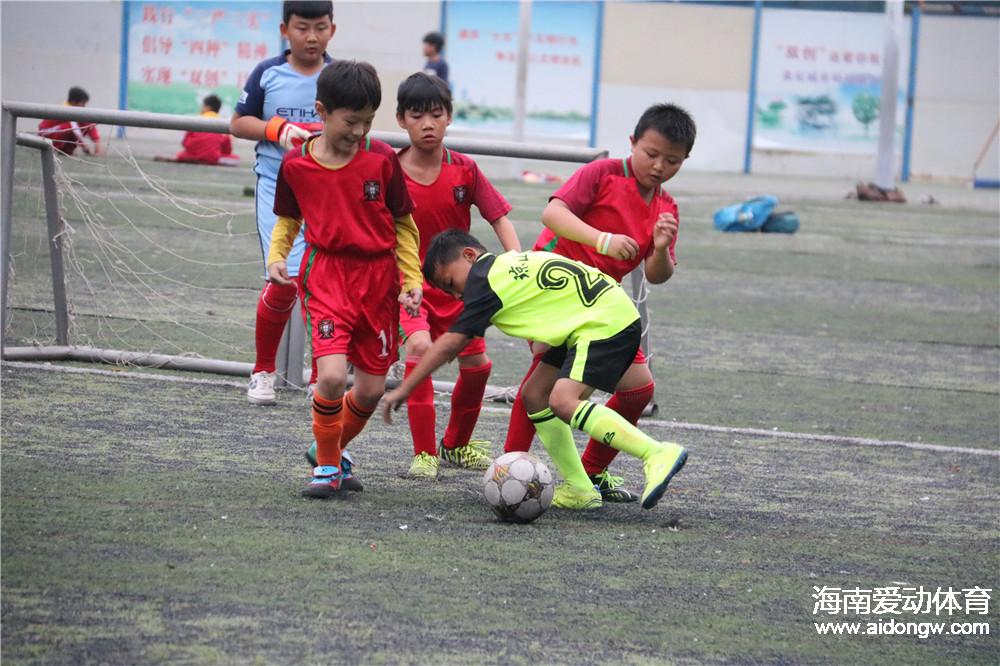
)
(319, 493)
(590, 507)
(351, 485)
(262, 401)
(661, 488)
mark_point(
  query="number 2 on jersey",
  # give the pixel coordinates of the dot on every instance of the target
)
(556, 274)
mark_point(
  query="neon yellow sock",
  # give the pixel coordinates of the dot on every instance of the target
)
(608, 426)
(557, 437)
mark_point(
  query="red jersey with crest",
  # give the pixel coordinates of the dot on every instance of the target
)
(605, 195)
(446, 203)
(349, 209)
(66, 135)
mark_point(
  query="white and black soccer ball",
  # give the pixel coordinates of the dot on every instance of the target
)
(518, 487)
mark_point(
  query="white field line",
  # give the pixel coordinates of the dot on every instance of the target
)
(679, 425)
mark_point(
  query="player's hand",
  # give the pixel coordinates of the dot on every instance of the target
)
(622, 247)
(411, 300)
(392, 401)
(664, 231)
(284, 133)
(278, 273)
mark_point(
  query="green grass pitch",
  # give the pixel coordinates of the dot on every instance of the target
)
(153, 517)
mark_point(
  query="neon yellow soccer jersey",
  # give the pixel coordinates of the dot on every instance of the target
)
(544, 297)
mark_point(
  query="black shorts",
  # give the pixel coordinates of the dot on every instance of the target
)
(599, 364)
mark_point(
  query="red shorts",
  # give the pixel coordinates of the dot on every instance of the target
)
(438, 311)
(351, 306)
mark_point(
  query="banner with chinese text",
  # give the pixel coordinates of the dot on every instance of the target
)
(819, 81)
(481, 50)
(179, 52)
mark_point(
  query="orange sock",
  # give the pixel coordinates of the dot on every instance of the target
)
(355, 418)
(328, 426)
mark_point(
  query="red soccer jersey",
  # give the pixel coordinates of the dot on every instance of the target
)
(605, 195)
(66, 135)
(204, 147)
(445, 203)
(349, 209)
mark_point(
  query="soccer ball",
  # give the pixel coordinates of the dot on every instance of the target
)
(518, 487)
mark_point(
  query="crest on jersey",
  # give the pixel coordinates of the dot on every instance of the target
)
(459, 192)
(325, 328)
(372, 189)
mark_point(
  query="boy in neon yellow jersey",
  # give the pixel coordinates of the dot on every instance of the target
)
(593, 330)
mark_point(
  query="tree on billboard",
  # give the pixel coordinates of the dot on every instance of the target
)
(865, 107)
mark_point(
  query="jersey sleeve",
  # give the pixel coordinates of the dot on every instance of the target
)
(480, 301)
(397, 197)
(487, 199)
(285, 203)
(580, 191)
(91, 131)
(251, 102)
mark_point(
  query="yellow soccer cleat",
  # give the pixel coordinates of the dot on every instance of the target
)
(474, 455)
(579, 499)
(425, 466)
(660, 467)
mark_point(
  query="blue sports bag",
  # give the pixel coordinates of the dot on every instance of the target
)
(747, 216)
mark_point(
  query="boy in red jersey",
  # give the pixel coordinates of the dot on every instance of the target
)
(612, 214)
(443, 185)
(67, 135)
(208, 147)
(349, 191)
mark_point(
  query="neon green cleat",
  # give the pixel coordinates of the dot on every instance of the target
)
(660, 467)
(571, 497)
(425, 466)
(474, 455)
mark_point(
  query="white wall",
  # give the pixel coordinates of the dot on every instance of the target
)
(656, 52)
(958, 94)
(48, 47)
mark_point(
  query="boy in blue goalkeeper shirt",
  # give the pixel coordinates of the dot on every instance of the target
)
(277, 110)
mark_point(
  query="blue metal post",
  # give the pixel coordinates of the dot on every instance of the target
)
(123, 68)
(911, 89)
(595, 94)
(758, 7)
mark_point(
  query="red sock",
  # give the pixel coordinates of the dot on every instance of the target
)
(520, 430)
(328, 424)
(420, 411)
(466, 401)
(597, 456)
(273, 310)
(355, 418)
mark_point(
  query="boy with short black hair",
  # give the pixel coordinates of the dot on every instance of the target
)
(444, 184)
(277, 110)
(592, 329)
(613, 214)
(208, 147)
(436, 66)
(67, 135)
(348, 190)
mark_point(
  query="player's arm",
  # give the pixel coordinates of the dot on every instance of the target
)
(558, 217)
(659, 265)
(444, 350)
(506, 234)
(282, 238)
(408, 259)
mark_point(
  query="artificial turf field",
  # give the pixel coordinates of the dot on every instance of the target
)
(152, 516)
